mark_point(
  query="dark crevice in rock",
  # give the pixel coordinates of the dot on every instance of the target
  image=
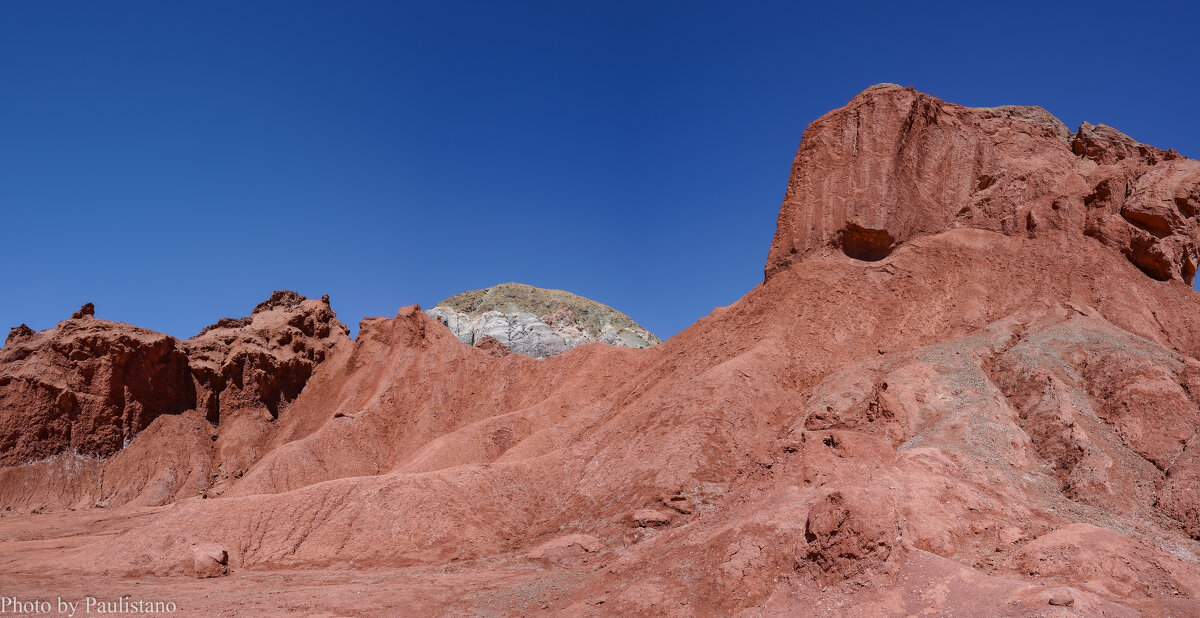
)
(1143, 253)
(1156, 225)
(868, 245)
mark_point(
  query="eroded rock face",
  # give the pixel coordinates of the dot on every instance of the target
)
(248, 369)
(851, 534)
(18, 332)
(265, 359)
(536, 322)
(895, 164)
(89, 387)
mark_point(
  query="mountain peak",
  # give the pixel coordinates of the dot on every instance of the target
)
(537, 322)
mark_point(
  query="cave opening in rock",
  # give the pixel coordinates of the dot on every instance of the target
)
(865, 244)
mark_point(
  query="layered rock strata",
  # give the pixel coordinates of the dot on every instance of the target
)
(537, 322)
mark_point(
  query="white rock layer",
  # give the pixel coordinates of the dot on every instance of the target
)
(525, 333)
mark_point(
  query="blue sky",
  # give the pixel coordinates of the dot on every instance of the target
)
(176, 162)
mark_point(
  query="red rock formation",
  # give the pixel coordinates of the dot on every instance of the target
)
(968, 385)
(264, 360)
(895, 164)
(88, 387)
(247, 370)
(492, 346)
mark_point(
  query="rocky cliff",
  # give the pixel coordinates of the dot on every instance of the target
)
(896, 164)
(87, 386)
(536, 322)
(969, 385)
(74, 396)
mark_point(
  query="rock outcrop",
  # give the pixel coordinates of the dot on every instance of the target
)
(248, 369)
(89, 387)
(536, 322)
(209, 560)
(895, 164)
(263, 360)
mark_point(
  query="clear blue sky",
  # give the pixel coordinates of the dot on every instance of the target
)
(176, 162)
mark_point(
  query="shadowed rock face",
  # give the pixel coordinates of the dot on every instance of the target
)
(265, 359)
(537, 322)
(969, 385)
(896, 164)
(88, 387)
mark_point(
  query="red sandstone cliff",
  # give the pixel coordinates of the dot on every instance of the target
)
(895, 164)
(75, 401)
